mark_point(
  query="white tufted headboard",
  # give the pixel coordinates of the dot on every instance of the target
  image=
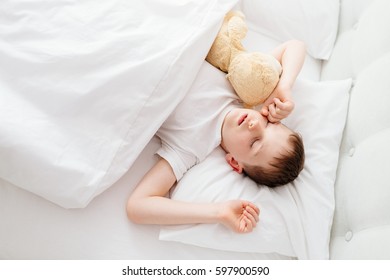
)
(361, 227)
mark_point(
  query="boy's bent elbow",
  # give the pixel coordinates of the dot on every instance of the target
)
(297, 43)
(133, 212)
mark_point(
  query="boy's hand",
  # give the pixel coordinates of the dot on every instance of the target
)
(279, 105)
(241, 216)
(277, 110)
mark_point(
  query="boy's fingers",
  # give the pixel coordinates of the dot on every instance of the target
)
(279, 110)
(282, 106)
(251, 217)
(273, 116)
(254, 207)
(248, 225)
(242, 226)
(245, 225)
(252, 212)
(288, 105)
(264, 111)
(272, 109)
(248, 204)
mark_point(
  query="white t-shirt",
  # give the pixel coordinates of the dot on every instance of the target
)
(193, 130)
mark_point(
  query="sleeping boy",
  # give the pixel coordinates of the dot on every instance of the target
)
(255, 142)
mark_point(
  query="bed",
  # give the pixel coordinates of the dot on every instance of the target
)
(85, 85)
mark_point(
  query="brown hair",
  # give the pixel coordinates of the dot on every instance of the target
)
(283, 169)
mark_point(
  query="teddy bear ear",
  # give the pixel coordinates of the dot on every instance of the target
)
(237, 30)
(253, 76)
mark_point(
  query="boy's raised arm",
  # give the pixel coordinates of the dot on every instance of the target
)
(148, 204)
(291, 56)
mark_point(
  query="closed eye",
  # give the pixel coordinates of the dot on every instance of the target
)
(254, 141)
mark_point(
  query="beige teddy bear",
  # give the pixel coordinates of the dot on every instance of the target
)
(253, 75)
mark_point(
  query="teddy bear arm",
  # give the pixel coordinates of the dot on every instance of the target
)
(219, 55)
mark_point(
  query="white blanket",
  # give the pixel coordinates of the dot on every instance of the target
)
(85, 84)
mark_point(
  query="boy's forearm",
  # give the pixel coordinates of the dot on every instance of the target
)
(292, 57)
(292, 62)
(148, 203)
(164, 211)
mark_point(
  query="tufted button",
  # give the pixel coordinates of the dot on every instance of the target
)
(348, 236)
(351, 152)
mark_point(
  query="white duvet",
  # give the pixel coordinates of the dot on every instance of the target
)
(85, 84)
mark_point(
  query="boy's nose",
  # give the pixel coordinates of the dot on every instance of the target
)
(252, 124)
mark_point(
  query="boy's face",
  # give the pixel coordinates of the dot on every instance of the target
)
(249, 139)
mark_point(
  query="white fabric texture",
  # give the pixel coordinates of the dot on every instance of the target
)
(86, 84)
(313, 21)
(193, 130)
(295, 219)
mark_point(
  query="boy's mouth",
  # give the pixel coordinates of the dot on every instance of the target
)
(242, 119)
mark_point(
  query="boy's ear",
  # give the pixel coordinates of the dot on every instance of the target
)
(233, 163)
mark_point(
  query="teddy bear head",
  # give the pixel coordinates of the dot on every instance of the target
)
(254, 76)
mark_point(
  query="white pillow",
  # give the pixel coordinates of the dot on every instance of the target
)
(313, 21)
(295, 219)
